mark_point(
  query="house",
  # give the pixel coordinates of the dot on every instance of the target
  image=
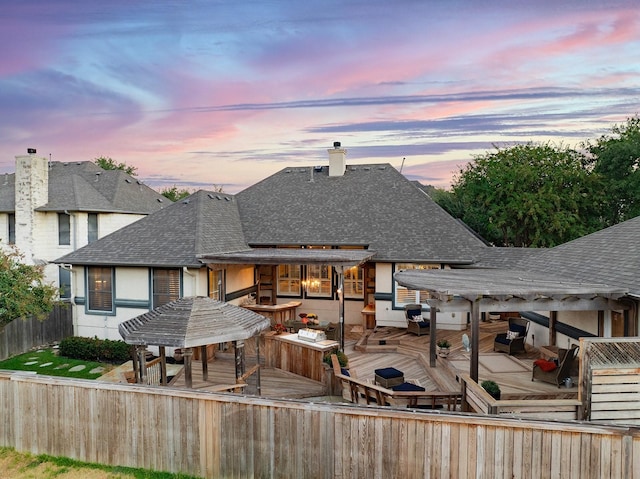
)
(50, 208)
(610, 256)
(588, 287)
(329, 236)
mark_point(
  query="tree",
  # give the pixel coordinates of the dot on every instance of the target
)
(526, 195)
(107, 163)
(23, 292)
(174, 193)
(616, 158)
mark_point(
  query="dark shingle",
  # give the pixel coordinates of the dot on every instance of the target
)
(172, 237)
(371, 205)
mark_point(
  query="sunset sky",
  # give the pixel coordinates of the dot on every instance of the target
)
(226, 93)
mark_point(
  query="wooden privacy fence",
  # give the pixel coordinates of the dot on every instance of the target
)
(221, 435)
(21, 335)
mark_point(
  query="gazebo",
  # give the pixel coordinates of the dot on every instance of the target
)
(475, 291)
(188, 323)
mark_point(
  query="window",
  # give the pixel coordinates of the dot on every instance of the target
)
(100, 289)
(319, 281)
(165, 287)
(289, 280)
(64, 278)
(216, 283)
(12, 228)
(92, 224)
(408, 296)
(64, 229)
(353, 283)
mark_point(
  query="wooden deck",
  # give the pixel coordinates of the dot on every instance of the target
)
(393, 347)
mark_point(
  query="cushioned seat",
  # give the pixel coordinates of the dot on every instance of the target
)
(407, 387)
(514, 339)
(416, 323)
(388, 377)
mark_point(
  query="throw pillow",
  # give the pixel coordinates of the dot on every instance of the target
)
(417, 318)
(512, 335)
(546, 366)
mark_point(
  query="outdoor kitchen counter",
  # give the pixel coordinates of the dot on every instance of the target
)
(287, 352)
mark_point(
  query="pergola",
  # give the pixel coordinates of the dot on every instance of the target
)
(189, 323)
(338, 258)
(476, 291)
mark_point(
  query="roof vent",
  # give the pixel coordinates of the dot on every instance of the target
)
(317, 168)
(159, 200)
(227, 198)
(210, 196)
(127, 180)
(185, 202)
(218, 197)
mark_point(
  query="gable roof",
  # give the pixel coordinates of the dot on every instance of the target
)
(84, 186)
(205, 222)
(370, 205)
(610, 256)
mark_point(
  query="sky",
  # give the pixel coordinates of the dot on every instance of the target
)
(216, 93)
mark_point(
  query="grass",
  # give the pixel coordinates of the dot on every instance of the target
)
(46, 361)
(15, 465)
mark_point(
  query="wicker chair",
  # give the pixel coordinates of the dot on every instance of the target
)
(416, 324)
(566, 357)
(513, 341)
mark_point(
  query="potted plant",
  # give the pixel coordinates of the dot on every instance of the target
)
(492, 388)
(443, 348)
(279, 328)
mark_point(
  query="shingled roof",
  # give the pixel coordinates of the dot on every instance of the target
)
(205, 222)
(84, 186)
(610, 256)
(370, 205)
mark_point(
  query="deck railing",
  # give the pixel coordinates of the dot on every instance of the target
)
(476, 399)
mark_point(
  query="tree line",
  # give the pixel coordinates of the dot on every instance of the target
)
(542, 195)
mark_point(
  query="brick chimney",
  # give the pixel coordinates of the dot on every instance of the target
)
(337, 160)
(32, 191)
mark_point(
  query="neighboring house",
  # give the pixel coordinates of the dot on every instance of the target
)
(51, 208)
(207, 245)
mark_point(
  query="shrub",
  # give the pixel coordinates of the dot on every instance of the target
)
(342, 358)
(94, 349)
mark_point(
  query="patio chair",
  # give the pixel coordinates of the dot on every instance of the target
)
(549, 372)
(514, 339)
(416, 324)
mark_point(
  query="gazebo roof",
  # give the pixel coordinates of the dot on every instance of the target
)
(193, 321)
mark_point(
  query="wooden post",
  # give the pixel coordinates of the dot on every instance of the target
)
(432, 335)
(475, 339)
(258, 388)
(188, 378)
(553, 318)
(205, 362)
(163, 366)
(238, 350)
(141, 376)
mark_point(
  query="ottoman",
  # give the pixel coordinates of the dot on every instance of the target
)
(388, 377)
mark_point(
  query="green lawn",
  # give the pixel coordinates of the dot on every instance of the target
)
(46, 361)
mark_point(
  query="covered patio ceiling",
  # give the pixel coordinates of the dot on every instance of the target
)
(480, 290)
(334, 257)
